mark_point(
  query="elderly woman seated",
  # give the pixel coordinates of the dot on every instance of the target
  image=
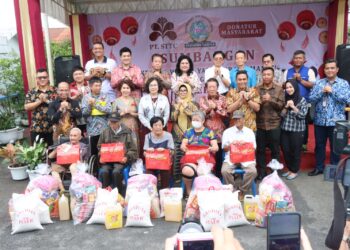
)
(197, 135)
(159, 140)
(74, 139)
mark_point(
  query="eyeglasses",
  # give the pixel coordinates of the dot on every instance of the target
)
(42, 77)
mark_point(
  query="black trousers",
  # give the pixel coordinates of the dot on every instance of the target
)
(46, 136)
(94, 141)
(291, 143)
(270, 139)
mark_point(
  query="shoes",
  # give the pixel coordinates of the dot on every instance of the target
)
(285, 174)
(315, 172)
(292, 176)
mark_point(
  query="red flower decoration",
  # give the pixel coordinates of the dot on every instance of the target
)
(129, 25)
(306, 19)
(286, 30)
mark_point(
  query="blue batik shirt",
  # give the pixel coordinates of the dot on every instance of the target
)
(329, 107)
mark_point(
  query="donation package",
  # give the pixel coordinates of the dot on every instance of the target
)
(112, 152)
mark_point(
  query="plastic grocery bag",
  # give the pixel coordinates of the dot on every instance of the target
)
(148, 182)
(104, 199)
(234, 215)
(136, 168)
(139, 208)
(49, 192)
(83, 190)
(25, 216)
(211, 206)
(274, 195)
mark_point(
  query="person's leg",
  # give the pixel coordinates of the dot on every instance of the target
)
(218, 159)
(103, 175)
(261, 141)
(93, 142)
(165, 178)
(248, 178)
(285, 145)
(320, 151)
(55, 172)
(117, 176)
(275, 138)
(226, 172)
(296, 143)
(334, 157)
(48, 138)
(189, 172)
(73, 169)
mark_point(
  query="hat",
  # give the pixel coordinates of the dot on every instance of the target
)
(114, 117)
(237, 114)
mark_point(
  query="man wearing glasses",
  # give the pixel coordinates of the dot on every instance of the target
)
(37, 101)
(219, 72)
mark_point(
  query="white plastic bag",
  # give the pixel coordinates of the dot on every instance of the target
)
(172, 194)
(211, 207)
(25, 215)
(105, 198)
(234, 215)
(82, 167)
(147, 182)
(139, 208)
(136, 168)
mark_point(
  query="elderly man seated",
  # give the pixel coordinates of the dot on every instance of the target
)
(110, 173)
(74, 139)
(239, 144)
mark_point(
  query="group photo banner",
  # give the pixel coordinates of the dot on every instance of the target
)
(277, 29)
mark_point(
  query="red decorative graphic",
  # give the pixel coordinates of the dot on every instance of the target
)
(111, 36)
(323, 37)
(306, 19)
(96, 39)
(305, 43)
(286, 30)
(129, 25)
(162, 28)
(111, 55)
(321, 22)
(90, 29)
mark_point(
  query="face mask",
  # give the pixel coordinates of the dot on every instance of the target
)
(196, 124)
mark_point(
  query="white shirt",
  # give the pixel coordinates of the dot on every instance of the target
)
(147, 109)
(231, 135)
(109, 64)
(210, 73)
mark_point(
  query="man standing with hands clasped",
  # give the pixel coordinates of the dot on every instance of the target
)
(330, 96)
(268, 120)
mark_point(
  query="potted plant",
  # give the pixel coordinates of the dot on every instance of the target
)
(8, 130)
(33, 156)
(18, 169)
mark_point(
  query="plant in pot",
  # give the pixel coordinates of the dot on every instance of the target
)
(33, 156)
(17, 168)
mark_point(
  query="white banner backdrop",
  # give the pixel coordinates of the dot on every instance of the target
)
(279, 29)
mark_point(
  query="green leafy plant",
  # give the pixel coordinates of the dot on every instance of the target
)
(11, 90)
(31, 155)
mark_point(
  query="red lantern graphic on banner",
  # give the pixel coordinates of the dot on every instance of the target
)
(111, 36)
(129, 26)
(286, 31)
(306, 20)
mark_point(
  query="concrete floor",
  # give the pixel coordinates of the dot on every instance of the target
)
(313, 198)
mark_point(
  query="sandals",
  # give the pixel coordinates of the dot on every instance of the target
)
(292, 176)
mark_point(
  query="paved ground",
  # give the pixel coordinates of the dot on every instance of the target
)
(313, 198)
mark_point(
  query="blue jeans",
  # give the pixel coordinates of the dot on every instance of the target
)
(322, 133)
